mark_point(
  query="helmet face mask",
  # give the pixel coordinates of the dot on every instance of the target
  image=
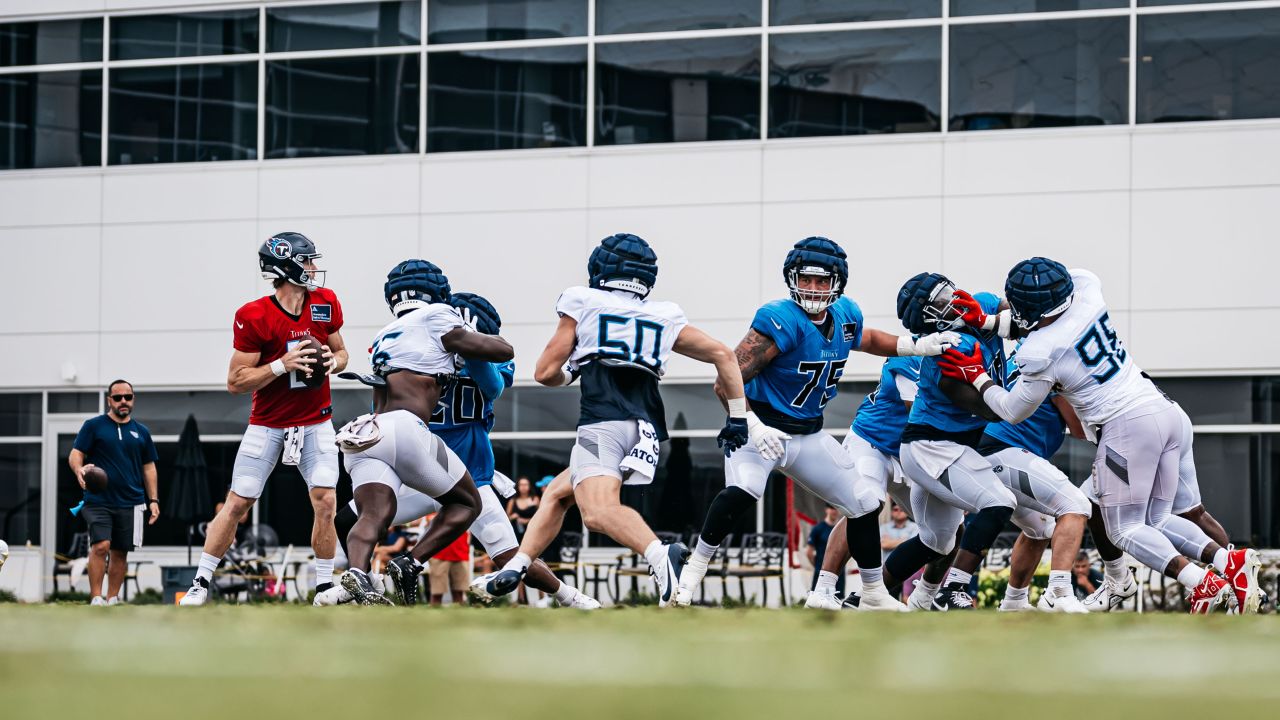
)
(941, 313)
(815, 257)
(813, 301)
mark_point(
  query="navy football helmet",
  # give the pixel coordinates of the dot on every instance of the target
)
(1038, 288)
(926, 304)
(816, 256)
(486, 315)
(623, 262)
(414, 284)
(284, 257)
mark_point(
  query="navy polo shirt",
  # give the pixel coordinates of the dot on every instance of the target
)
(121, 450)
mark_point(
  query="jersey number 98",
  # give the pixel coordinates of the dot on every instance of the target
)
(1100, 345)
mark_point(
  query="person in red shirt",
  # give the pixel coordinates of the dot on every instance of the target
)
(450, 569)
(285, 347)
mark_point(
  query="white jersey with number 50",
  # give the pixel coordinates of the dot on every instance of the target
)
(617, 325)
(1081, 353)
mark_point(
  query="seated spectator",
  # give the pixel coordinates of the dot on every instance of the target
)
(450, 571)
(816, 548)
(1084, 578)
(522, 506)
(393, 544)
(898, 529)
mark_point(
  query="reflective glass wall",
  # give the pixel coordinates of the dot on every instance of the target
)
(415, 76)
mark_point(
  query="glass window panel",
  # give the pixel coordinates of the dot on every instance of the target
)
(73, 402)
(1150, 3)
(629, 16)
(803, 12)
(226, 32)
(1225, 465)
(678, 90)
(357, 25)
(342, 106)
(219, 458)
(1209, 66)
(855, 83)
(542, 409)
(1039, 74)
(1266, 400)
(20, 494)
(51, 119)
(998, 7)
(21, 415)
(216, 413)
(502, 99)
(53, 41)
(1211, 401)
(183, 113)
(451, 21)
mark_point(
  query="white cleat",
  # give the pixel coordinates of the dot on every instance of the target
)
(1109, 597)
(113, 601)
(98, 601)
(583, 602)
(1061, 604)
(690, 579)
(919, 600)
(819, 600)
(875, 598)
(1023, 605)
(478, 591)
(336, 595)
(666, 574)
(197, 595)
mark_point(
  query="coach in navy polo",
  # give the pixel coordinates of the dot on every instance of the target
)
(122, 447)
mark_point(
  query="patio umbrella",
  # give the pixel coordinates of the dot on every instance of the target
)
(191, 503)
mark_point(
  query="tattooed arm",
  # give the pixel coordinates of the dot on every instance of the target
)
(754, 353)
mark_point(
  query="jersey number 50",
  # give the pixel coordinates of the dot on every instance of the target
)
(1100, 345)
(641, 345)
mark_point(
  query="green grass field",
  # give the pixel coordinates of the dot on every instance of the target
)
(291, 661)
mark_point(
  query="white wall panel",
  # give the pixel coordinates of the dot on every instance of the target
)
(1216, 155)
(992, 163)
(176, 277)
(671, 175)
(54, 280)
(1160, 341)
(50, 198)
(209, 191)
(839, 169)
(176, 357)
(507, 181)
(887, 242)
(708, 256)
(1206, 248)
(350, 187)
(36, 360)
(985, 236)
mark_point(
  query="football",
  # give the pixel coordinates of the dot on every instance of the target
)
(95, 479)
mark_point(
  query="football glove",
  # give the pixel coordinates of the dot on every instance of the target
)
(975, 317)
(969, 368)
(733, 435)
(771, 442)
(926, 345)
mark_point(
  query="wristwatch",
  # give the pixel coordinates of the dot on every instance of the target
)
(152, 500)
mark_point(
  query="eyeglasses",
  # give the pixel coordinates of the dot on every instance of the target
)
(118, 398)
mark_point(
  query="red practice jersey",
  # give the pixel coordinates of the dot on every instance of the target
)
(264, 327)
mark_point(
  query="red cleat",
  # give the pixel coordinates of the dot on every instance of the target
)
(1242, 573)
(1211, 591)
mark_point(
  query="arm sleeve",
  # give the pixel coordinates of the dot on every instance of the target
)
(1019, 402)
(244, 333)
(84, 438)
(487, 378)
(907, 389)
(767, 323)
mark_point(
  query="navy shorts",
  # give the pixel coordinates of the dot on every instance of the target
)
(120, 525)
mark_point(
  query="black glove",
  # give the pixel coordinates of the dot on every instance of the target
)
(733, 436)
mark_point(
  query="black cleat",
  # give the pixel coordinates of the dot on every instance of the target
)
(357, 583)
(404, 573)
(851, 601)
(954, 596)
(322, 587)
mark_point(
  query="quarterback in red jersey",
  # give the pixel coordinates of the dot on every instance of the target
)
(285, 347)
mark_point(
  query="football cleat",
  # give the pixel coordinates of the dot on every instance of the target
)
(1023, 605)
(1210, 593)
(403, 573)
(334, 595)
(1110, 597)
(953, 596)
(1060, 603)
(919, 599)
(357, 583)
(666, 576)
(851, 601)
(198, 594)
(583, 602)
(1242, 574)
(819, 600)
(503, 582)
(875, 598)
(691, 579)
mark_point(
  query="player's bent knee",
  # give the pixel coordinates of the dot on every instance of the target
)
(941, 543)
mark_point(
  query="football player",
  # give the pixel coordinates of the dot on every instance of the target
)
(414, 361)
(1049, 506)
(463, 420)
(948, 477)
(1072, 346)
(619, 341)
(792, 358)
(286, 345)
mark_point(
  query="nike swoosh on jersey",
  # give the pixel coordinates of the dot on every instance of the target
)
(775, 323)
(239, 325)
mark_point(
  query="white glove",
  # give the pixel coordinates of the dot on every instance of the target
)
(771, 442)
(503, 485)
(927, 345)
(469, 318)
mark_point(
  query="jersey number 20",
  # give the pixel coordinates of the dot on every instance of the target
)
(1100, 345)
